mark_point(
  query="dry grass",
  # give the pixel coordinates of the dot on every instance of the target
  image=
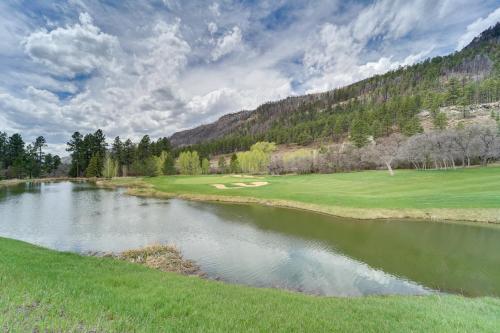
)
(165, 258)
(14, 182)
(122, 182)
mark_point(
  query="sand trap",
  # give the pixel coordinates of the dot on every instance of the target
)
(252, 184)
(222, 187)
(243, 176)
(239, 185)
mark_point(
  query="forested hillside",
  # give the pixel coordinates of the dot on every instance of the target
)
(374, 107)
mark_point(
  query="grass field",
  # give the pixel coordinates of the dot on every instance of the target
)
(43, 290)
(463, 194)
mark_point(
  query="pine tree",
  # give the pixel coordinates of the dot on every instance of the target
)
(93, 167)
(169, 165)
(412, 126)
(453, 91)
(358, 133)
(440, 121)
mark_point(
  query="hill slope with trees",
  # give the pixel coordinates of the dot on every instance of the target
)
(374, 107)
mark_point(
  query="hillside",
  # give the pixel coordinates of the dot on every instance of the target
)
(377, 106)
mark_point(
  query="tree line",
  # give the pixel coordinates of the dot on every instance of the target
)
(442, 148)
(462, 146)
(91, 156)
(20, 160)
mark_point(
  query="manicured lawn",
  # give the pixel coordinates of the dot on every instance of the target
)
(45, 290)
(462, 194)
(461, 188)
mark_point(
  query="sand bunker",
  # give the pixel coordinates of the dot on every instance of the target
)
(239, 185)
(243, 176)
(252, 184)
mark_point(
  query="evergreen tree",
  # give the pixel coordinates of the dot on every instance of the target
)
(143, 148)
(128, 155)
(117, 153)
(169, 166)
(39, 143)
(92, 169)
(440, 121)
(3, 151)
(453, 91)
(359, 135)
(412, 126)
(76, 148)
(30, 163)
(16, 155)
(98, 147)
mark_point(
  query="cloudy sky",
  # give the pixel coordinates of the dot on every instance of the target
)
(155, 67)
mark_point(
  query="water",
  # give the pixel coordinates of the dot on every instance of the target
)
(262, 246)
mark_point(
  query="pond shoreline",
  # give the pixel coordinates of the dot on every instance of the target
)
(17, 181)
(109, 293)
(137, 187)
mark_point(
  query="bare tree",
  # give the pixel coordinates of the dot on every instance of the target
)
(486, 141)
(463, 139)
(386, 151)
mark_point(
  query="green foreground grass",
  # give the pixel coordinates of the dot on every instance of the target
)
(463, 194)
(44, 290)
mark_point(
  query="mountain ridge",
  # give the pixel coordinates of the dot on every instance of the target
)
(473, 63)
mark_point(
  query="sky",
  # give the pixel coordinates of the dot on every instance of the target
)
(156, 67)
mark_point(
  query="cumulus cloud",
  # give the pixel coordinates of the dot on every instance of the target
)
(72, 50)
(155, 67)
(214, 9)
(212, 27)
(226, 44)
(335, 57)
(478, 26)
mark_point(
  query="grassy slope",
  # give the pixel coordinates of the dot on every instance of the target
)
(467, 194)
(44, 289)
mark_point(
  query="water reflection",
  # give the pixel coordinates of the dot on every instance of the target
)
(260, 246)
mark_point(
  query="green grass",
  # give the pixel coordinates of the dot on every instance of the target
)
(461, 188)
(45, 290)
(468, 194)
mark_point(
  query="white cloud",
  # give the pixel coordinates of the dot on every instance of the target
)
(335, 56)
(214, 9)
(212, 27)
(154, 67)
(228, 43)
(478, 26)
(69, 51)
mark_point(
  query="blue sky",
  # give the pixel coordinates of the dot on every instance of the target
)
(155, 67)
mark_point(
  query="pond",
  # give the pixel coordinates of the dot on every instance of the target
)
(262, 246)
